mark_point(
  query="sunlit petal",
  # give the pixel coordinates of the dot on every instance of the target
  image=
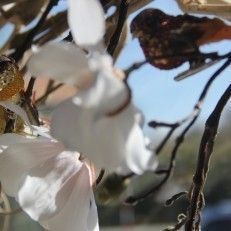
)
(61, 61)
(19, 154)
(47, 187)
(92, 219)
(139, 158)
(87, 22)
(103, 140)
(75, 212)
(41, 131)
(105, 95)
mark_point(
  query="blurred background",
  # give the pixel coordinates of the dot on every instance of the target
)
(160, 98)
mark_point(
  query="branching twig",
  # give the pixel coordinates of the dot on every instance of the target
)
(29, 39)
(179, 140)
(195, 113)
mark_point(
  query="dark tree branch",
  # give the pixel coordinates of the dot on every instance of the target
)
(134, 67)
(123, 9)
(205, 151)
(27, 104)
(174, 198)
(29, 39)
(100, 177)
(29, 90)
(164, 141)
(155, 124)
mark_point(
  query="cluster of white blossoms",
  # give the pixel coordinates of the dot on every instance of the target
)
(44, 172)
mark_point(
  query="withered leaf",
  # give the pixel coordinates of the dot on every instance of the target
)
(168, 41)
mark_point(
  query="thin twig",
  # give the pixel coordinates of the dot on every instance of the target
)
(165, 140)
(27, 104)
(47, 93)
(196, 110)
(29, 90)
(175, 197)
(134, 67)
(49, 88)
(123, 9)
(179, 140)
(100, 177)
(155, 124)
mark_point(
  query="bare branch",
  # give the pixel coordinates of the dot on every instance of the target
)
(29, 39)
(123, 9)
(179, 140)
(205, 151)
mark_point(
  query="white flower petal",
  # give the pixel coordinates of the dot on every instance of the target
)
(87, 22)
(103, 141)
(75, 213)
(48, 186)
(105, 95)
(139, 158)
(92, 219)
(41, 131)
(17, 110)
(62, 61)
(19, 154)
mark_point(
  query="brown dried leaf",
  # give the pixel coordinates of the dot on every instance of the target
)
(176, 38)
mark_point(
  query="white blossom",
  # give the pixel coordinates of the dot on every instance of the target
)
(49, 182)
(99, 121)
